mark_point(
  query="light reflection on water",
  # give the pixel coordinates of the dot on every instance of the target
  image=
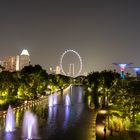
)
(56, 119)
(66, 118)
(51, 100)
(51, 114)
(67, 100)
(55, 99)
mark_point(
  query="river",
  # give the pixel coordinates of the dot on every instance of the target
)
(66, 120)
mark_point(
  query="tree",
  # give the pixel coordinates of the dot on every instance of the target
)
(107, 81)
(93, 81)
(33, 80)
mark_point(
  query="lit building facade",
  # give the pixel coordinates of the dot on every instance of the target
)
(24, 59)
(58, 70)
(15, 63)
(9, 63)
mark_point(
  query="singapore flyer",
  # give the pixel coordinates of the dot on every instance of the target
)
(71, 66)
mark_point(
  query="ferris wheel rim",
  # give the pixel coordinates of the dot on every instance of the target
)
(79, 57)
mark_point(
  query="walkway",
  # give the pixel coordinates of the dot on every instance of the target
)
(100, 123)
(92, 126)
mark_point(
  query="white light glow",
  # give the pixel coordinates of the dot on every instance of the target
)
(25, 52)
(123, 65)
(102, 112)
(99, 129)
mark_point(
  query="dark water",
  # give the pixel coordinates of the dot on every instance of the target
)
(59, 122)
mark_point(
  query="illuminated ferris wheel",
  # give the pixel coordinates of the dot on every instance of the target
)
(71, 66)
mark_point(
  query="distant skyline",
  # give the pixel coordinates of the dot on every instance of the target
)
(101, 31)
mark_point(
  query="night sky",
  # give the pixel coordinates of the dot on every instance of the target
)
(101, 31)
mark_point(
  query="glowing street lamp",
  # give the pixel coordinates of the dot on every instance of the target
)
(122, 67)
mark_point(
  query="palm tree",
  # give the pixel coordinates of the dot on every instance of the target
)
(108, 81)
(93, 81)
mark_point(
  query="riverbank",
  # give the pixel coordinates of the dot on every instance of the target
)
(23, 104)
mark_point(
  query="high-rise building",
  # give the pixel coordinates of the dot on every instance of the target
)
(9, 63)
(24, 59)
(57, 70)
(15, 63)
